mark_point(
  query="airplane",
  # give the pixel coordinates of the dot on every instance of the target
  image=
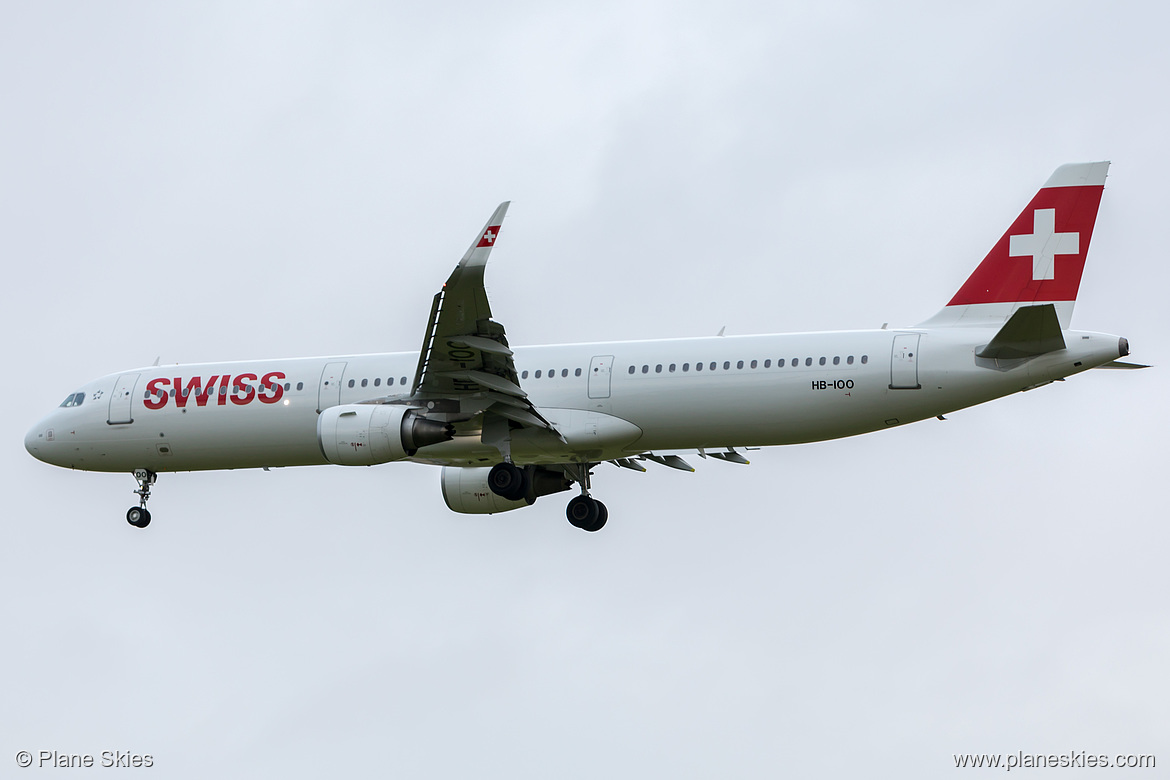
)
(510, 425)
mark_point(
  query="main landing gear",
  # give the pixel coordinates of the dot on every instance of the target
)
(587, 513)
(139, 516)
(584, 511)
(515, 483)
(507, 480)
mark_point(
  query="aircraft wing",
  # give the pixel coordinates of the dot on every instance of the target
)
(465, 364)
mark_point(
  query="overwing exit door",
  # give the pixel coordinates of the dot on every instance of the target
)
(329, 391)
(599, 373)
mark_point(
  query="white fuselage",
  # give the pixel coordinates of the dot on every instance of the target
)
(609, 400)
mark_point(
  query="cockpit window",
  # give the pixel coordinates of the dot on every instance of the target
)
(74, 400)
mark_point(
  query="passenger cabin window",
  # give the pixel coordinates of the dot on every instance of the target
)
(864, 359)
(577, 372)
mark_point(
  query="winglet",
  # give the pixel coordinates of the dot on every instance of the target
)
(481, 247)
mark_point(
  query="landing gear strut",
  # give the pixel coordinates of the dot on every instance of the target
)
(139, 516)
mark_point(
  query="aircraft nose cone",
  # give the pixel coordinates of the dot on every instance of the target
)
(30, 443)
(36, 441)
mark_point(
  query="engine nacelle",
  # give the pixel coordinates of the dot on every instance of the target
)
(466, 490)
(366, 434)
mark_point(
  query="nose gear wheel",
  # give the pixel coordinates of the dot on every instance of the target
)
(139, 516)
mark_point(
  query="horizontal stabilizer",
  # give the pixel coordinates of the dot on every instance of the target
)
(1121, 364)
(1031, 331)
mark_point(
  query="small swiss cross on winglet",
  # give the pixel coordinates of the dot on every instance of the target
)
(489, 236)
(481, 245)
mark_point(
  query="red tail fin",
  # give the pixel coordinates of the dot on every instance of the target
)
(1041, 256)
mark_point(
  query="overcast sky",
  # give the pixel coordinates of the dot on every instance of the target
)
(243, 180)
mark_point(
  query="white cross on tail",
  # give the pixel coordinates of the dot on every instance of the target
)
(1044, 244)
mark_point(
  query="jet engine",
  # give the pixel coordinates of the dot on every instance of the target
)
(366, 434)
(466, 490)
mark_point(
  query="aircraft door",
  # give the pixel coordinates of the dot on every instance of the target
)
(599, 372)
(122, 399)
(329, 391)
(904, 362)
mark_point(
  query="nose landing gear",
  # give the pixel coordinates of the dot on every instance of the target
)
(139, 516)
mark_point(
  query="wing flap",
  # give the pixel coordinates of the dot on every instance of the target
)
(485, 380)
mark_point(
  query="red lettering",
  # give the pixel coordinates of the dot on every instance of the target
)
(205, 396)
(181, 392)
(160, 400)
(241, 386)
(240, 389)
(196, 384)
(267, 384)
